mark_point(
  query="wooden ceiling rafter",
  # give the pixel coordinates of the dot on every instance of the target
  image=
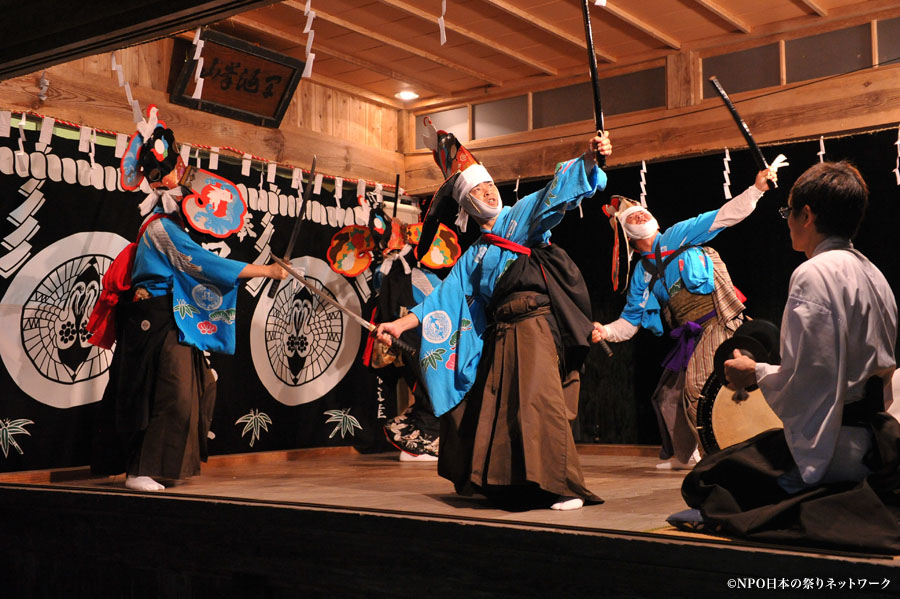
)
(797, 27)
(325, 48)
(726, 15)
(389, 41)
(641, 25)
(815, 7)
(548, 27)
(473, 36)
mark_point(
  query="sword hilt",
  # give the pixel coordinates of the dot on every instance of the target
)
(403, 346)
(606, 347)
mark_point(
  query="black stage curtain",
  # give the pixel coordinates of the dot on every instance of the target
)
(67, 217)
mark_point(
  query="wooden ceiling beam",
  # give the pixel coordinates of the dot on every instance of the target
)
(726, 15)
(473, 36)
(642, 25)
(324, 48)
(384, 39)
(815, 7)
(547, 27)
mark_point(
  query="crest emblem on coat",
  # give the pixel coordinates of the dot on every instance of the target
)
(436, 327)
(207, 297)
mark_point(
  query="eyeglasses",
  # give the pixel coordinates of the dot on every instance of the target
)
(785, 211)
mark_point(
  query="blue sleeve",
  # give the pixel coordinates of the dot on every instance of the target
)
(212, 267)
(451, 337)
(529, 221)
(634, 310)
(692, 231)
(455, 287)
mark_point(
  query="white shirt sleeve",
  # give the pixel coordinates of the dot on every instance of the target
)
(737, 209)
(620, 330)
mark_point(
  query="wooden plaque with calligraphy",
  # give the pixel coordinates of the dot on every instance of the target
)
(240, 80)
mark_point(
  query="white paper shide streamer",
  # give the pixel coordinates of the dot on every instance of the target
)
(5, 118)
(644, 183)
(897, 167)
(21, 155)
(441, 23)
(310, 55)
(821, 152)
(198, 80)
(726, 174)
(116, 66)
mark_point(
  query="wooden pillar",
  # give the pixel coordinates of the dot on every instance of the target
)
(683, 80)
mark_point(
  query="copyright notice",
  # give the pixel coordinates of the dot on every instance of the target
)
(806, 584)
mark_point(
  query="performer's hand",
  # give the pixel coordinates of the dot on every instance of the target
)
(740, 371)
(600, 144)
(276, 272)
(386, 332)
(764, 175)
(599, 333)
(269, 271)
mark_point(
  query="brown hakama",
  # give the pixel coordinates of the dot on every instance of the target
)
(511, 437)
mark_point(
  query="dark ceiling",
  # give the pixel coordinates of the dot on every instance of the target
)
(38, 33)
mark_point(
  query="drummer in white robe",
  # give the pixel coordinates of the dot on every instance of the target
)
(838, 334)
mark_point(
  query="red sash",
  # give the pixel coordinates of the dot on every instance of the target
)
(506, 244)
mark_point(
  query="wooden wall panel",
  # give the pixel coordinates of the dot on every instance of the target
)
(352, 137)
(831, 107)
(373, 125)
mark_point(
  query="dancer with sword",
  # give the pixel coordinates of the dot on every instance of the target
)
(509, 340)
(679, 278)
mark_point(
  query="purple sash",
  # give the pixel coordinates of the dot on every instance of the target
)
(686, 340)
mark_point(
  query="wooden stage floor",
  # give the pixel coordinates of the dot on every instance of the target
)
(370, 499)
(637, 496)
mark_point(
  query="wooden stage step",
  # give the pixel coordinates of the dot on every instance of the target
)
(336, 523)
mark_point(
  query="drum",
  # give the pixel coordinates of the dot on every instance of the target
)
(724, 418)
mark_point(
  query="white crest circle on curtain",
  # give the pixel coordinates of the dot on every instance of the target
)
(44, 312)
(301, 346)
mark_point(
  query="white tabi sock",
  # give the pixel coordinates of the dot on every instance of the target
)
(142, 483)
(567, 503)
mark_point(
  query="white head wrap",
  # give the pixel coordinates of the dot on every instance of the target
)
(468, 179)
(169, 198)
(641, 231)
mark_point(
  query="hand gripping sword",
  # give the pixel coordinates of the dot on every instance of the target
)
(402, 346)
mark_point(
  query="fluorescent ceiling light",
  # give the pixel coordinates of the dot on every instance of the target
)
(406, 95)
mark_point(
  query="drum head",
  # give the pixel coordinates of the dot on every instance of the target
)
(722, 421)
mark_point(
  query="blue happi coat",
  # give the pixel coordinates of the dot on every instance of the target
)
(692, 266)
(203, 284)
(453, 318)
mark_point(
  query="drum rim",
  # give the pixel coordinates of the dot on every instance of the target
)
(704, 414)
